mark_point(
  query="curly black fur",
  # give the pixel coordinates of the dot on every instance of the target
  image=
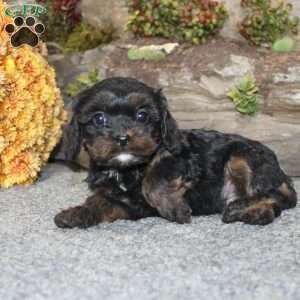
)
(148, 167)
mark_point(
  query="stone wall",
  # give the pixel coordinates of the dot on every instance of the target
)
(106, 12)
(103, 12)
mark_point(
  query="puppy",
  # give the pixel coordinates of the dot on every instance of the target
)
(142, 165)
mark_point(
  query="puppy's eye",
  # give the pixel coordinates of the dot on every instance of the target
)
(99, 119)
(142, 116)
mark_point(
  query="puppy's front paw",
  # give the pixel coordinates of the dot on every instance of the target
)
(181, 213)
(78, 216)
(168, 198)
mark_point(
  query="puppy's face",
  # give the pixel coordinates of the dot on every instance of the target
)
(120, 122)
(120, 130)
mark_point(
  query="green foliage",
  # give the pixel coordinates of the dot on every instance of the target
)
(59, 23)
(85, 36)
(245, 95)
(145, 54)
(82, 82)
(192, 20)
(65, 28)
(265, 23)
(284, 45)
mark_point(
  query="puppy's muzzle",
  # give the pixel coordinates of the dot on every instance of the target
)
(123, 140)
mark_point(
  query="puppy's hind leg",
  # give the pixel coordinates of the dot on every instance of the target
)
(246, 201)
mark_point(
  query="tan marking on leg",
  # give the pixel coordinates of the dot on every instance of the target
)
(264, 203)
(262, 212)
(237, 179)
(284, 190)
(258, 212)
(113, 213)
(239, 168)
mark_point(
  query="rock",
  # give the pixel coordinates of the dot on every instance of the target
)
(296, 7)
(216, 86)
(104, 13)
(292, 75)
(168, 48)
(284, 100)
(236, 14)
(237, 67)
(68, 67)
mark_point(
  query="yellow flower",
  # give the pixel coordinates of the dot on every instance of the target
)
(31, 111)
(9, 65)
(22, 167)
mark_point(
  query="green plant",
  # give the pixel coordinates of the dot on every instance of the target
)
(265, 23)
(245, 95)
(85, 36)
(61, 18)
(283, 45)
(82, 82)
(145, 54)
(64, 27)
(192, 20)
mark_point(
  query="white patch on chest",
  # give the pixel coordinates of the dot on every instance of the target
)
(124, 158)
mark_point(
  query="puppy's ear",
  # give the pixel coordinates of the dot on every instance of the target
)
(72, 136)
(71, 141)
(171, 136)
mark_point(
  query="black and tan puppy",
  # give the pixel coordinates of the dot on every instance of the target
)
(142, 165)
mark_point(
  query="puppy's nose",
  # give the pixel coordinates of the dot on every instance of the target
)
(123, 140)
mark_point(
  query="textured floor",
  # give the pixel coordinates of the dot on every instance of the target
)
(148, 259)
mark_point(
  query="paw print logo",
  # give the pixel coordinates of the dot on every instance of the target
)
(24, 31)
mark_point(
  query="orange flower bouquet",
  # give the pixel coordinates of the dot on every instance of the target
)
(31, 111)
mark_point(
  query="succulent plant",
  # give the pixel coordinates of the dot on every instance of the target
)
(245, 95)
(82, 82)
(265, 22)
(145, 54)
(31, 111)
(284, 45)
(192, 20)
(85, 36)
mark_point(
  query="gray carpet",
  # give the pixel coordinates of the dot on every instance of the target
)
(148, 259)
